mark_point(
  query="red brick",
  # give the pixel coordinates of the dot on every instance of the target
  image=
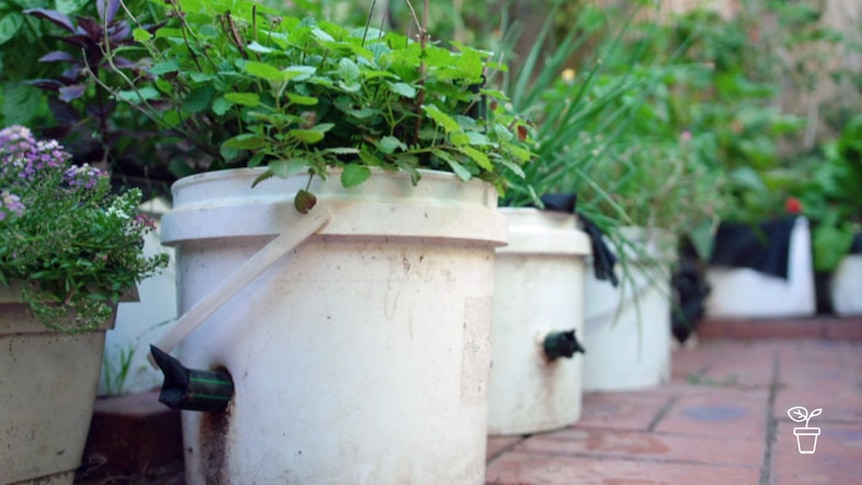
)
(849, 329)
(496, 444)
(651, 446)
(522, 468)
(134, 432)
(728, 412)
(621, 410)
(836, 458)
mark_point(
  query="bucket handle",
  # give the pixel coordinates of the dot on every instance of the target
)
(242, 276)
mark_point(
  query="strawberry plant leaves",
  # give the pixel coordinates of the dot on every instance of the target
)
(389, 144)
(442, 119)
(353, 175)
(266, 71)
(246, 99)
(403, 89)
(245, 141)
(477, 156)
(289, 167)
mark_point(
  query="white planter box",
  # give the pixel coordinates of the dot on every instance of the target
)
(539, 289)
(847, 286)
(746, 293)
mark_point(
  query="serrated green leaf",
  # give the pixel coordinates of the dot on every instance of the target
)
(480, 158)
(459, 139)
(266, 71)
(286, 168)
(165, 67)
(352, 87)
(348, 70)
(229, 154)
(254, 46)
(302, 100)
(245, 141)
(403, 89)
(146, 93)
(523, 154)
(200, 77)
(300, 73)
(141, 35)
(246, 99)
(320, 34)
(342, 151)
(10, 23)
(478, 139)
(199, 99)
(502, 132)
(168, 33)
(307, 136)
(442, 119)
(459, 170)
(20, 103)
(221, 106)
(256, 159)
(389, 144)
(354, 174)
(514, 167)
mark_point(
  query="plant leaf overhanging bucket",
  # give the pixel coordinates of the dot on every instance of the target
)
(365, 343)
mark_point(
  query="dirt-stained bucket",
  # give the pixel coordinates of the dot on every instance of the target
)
(539, 290)
(362, 356)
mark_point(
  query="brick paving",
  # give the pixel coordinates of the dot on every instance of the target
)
(722, 420)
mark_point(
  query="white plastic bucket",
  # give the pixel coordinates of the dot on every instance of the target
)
(539, 289)
(746, 293)
(360, 357)
(846, 286)
(627, 328)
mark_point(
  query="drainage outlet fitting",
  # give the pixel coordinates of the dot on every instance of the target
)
(192, 389)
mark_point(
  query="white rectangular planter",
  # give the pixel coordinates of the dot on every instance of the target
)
(746, 293)
(846, 286)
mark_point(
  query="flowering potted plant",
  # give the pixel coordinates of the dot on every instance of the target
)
(69, 251)
(335, 128)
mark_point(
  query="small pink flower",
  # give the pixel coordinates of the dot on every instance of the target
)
(685, 136)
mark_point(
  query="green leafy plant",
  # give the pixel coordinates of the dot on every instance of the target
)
(829, 195)
(73, 247)
(249, 87)
(93, 127)
(115, 377)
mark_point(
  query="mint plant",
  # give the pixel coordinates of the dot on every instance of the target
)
(800, 413)
(250, 87)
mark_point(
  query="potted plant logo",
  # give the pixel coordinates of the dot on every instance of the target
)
(806, 437)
